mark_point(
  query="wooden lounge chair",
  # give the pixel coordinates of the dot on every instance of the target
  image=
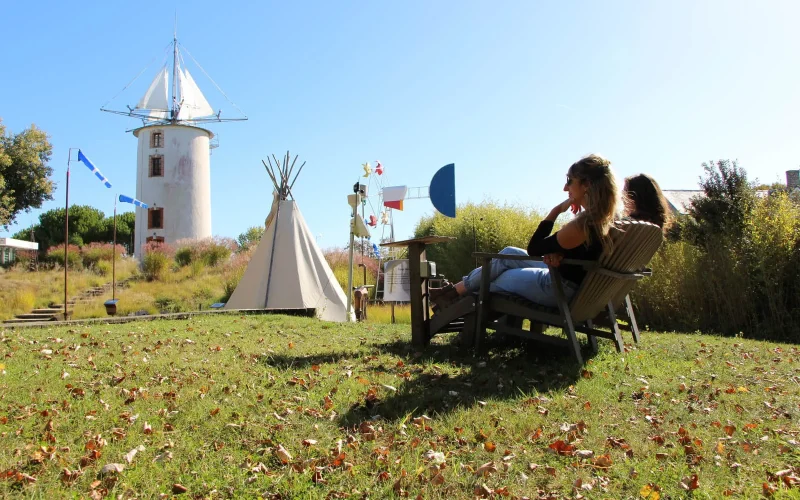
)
(604, 289)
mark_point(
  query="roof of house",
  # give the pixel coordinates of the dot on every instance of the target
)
(681, 199)
(18, 244)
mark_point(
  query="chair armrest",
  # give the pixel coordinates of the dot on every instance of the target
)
(622, 276)
(484, 256)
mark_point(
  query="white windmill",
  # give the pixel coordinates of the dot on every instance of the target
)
(173, 173)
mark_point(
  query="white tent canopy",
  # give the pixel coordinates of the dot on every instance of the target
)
(288, 270)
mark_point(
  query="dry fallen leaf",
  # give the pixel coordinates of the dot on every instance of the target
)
(283, 455)
(111, 469)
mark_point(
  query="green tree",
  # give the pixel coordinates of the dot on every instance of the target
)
(86, 225)
(24, 173)
(486, 227)
(126, 223)
(250, 237)
(723, 211)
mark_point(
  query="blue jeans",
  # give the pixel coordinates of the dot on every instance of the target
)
(527, 278)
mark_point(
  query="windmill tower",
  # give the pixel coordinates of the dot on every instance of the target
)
(173, 159)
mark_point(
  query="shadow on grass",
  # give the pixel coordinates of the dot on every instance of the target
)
(509, 369)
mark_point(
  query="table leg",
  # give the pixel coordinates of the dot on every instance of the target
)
(419, 334)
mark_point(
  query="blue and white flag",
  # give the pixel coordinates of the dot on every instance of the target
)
(82, 157)
(128, 199)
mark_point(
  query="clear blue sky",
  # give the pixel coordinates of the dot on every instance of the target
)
(511, 92)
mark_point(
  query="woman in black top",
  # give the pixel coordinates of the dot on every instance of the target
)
(593, 196)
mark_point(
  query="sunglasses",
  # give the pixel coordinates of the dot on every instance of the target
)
(570, 179)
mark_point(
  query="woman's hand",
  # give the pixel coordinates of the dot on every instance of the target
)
(552, 259)
(562, 207)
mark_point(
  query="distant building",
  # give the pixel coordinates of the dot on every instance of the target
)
(9, 248)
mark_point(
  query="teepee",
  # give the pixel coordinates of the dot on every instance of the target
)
(287, 270)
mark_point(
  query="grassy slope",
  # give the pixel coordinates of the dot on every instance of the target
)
(357, 409)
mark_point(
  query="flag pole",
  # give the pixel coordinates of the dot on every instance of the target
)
(114, 256)
(66, 240)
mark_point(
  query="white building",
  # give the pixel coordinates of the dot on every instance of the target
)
(173, 160)
(9, 248)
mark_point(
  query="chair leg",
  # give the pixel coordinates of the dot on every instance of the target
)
(566, 315)
(469, 332)
(592, 338)
(614, 326)
(632, 318)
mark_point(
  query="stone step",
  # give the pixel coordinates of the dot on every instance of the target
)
(20, 320)
(39, 317)
(47, 310)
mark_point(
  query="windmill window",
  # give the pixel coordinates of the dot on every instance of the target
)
(157, 239)
(155, 218)
(156, 166)
(157, 140)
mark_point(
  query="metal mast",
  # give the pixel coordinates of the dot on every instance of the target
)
(175, 71)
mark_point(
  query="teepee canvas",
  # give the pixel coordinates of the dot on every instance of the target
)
(288, 270)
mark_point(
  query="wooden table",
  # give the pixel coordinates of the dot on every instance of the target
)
(420, 305)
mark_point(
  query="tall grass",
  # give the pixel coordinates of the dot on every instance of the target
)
(748, 286)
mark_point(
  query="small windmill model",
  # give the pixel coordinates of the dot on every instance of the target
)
(288, 271)
(173, 175)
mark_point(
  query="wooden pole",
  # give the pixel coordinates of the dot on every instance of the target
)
(66, 243)
(114, 257)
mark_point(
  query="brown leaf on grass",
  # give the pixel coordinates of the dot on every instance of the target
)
(587, 406)
(147, 429)
(283, 455)
(486, 469)
(68, 476)
(214, 412)
(768, 490)
(291, 345)
(179, 489)
(657, 439)
(729, 429)
(489, 446)
(661, 456)
(384, 476)
(690, 483)
(586, 374)
(314, 368)
(111, 469)
(536, 434)
(602, 461)
(562, 448)
(328, 403)
(309, 442)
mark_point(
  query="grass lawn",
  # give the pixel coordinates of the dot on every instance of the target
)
(285, 407)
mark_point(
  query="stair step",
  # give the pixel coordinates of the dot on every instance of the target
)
(21, 320)
(39, 317)
(48, 310)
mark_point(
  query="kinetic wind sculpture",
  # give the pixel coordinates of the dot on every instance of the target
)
(441, 192)
(173, 154)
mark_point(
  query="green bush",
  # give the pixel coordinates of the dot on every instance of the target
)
(487, 227)
(156, 260)
(748, 285)
(103, 268)
(55, 255)
(183, 256)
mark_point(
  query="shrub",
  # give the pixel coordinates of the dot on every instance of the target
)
(156, 260)
(748, 285)
(212, 251)
(487, 227)
(234, 270)
(96, 252)
(55, 255)
(103, 268)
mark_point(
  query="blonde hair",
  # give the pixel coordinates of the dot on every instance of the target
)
(595, 173)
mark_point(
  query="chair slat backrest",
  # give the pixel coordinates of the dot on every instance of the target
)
(634, 244)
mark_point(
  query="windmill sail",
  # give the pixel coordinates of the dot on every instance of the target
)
(156, 97)
(193, 103)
